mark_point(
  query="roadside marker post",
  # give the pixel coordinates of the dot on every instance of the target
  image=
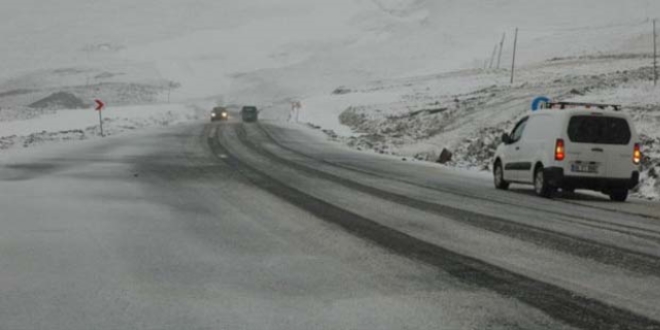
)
(298, 107)
(295, 110)
(99, 107)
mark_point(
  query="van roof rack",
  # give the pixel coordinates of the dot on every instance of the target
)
(565, 105)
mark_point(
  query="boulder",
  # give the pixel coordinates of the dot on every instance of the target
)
(445, 156)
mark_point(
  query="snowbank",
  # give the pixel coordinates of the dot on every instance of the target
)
(67, 125)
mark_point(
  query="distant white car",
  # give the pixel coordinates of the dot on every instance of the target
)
(571, 146)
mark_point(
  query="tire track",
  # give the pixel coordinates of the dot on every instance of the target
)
(586, 221)
(559, 303)
(572, 245)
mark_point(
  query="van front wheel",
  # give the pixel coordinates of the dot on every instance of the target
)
(498, 176)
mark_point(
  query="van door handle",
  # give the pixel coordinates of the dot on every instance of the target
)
(517, 148)
(597, 150)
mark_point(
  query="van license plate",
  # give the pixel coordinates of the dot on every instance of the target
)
(584, 168)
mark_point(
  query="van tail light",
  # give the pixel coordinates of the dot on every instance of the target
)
(637, 154)
(560, 152)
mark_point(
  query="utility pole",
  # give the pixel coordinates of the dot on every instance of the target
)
(655, 55)
(513, 62)
(492, 57)
(499, 57)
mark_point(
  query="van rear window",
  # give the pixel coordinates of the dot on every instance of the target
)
(599, 130)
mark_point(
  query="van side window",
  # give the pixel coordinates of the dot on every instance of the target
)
(539, 127)
(518, 130)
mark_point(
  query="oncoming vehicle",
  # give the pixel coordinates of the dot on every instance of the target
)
(219, 113)
(571, 146)
(249, 114)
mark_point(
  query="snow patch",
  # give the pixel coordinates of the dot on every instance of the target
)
(69, 125)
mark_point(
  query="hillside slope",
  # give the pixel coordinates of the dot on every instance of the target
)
(387, 61)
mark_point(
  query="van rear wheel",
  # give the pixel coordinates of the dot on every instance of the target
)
(541, 186)
(620, 195)
(498, 177)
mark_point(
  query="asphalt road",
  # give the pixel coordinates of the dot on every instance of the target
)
(263, 226)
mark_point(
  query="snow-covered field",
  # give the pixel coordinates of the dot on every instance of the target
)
(68, 125)
(406, 77)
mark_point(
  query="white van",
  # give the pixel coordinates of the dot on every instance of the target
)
(571, 146)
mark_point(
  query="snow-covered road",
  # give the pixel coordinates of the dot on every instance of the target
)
(241, 226)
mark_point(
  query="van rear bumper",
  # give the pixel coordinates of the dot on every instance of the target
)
(556, 177)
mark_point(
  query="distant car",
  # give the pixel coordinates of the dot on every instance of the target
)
(249, 114)
(571, 146)
(219, 113)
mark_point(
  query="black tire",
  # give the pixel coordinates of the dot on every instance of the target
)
(498, 177)
(541, 185)
(619, 195)
(569, 190)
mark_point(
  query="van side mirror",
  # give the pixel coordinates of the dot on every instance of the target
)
(506, 138)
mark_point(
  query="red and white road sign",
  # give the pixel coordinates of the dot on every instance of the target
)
(99, 105)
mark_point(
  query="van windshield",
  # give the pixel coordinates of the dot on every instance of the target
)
(599, 130)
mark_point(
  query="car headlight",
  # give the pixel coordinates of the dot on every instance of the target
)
(224, 114)
(213, 115)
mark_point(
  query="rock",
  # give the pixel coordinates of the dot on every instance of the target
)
(576, 92)
(60, 100)
(445, 156)
(330, 133)
(653, 173)
(341, 90)
(313, 126)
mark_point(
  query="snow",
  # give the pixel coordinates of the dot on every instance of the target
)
(205, 44)
(106, 239)
(395, 57)
(325, 109)
(77, 119)
(72, 125)
(413, 77)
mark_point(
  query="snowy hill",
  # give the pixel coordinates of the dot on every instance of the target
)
(391, 58)
(322, 43)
